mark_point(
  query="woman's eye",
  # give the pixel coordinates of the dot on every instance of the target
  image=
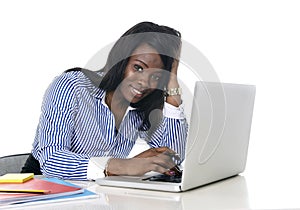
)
(138, 68)
(155, 77)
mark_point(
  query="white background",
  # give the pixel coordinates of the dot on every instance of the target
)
(253, 42)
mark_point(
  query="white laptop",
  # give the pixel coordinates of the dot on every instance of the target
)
(217, 143)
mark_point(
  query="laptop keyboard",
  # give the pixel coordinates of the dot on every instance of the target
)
(165, 178)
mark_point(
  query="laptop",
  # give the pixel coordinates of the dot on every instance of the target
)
(217, 142)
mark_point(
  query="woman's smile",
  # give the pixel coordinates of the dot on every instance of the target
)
(136, 92)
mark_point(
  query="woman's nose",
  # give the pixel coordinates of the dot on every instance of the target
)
(143, 80)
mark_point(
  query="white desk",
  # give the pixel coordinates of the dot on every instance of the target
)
(231, 193)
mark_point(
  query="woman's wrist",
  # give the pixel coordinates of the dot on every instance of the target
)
(173, 92)
(112, 167)
(117, 166)
(123, 167)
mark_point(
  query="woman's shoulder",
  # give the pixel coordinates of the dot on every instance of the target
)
(75, 79)
(65, 80)
(85, 76)
(73, 75)
(65, 77)
(70, 73)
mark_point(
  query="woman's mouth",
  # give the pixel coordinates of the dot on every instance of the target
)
(136, 92)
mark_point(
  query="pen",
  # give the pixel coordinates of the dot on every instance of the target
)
(24, 191)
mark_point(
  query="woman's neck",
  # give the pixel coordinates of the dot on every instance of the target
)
(117, 106)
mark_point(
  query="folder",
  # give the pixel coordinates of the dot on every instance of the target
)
(52, 190)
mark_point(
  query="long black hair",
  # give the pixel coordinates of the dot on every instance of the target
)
(167, 42)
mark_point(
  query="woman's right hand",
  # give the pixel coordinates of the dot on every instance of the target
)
(160, 160)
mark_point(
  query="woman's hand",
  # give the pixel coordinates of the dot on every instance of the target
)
(155, 151)
(156, 159)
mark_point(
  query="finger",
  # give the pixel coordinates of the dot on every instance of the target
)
(161, 149)
(172, 154)
(158, 168)
(176, 170)
(164, 160)
(170, 172)
(166, 151)
(164, 164)
(149, 153)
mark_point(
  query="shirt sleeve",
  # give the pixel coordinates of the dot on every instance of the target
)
(172, 131)
(171, 111)
(96, 167)
(55, 131)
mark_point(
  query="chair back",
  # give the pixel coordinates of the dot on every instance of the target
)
(12, 163)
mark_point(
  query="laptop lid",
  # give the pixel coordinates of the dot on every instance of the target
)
(219, 132)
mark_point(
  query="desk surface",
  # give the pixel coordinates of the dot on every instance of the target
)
(232, 193)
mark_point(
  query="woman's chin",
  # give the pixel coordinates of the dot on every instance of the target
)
(135, 100)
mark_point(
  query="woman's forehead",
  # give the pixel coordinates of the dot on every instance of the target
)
(144, 48)
(147, 55)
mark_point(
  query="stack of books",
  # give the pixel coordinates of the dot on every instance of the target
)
(17, 188)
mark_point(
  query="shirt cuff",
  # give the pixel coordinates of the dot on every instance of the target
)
(96, 167)
(171, 111)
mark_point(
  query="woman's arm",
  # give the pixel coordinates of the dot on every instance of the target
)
(155, 159)
(55, 130)
(172, 132)
(174, 95)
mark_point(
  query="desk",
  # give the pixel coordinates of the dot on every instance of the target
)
(230, 194)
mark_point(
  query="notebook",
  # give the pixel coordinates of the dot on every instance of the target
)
(78, 193)
(33, 190)
(217, 142)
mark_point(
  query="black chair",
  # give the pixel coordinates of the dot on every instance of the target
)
(12, 163)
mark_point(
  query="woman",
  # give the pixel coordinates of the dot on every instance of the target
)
(91, 120)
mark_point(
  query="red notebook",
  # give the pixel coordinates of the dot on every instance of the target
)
(51, 190)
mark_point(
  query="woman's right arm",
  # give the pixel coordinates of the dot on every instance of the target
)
(55, 130)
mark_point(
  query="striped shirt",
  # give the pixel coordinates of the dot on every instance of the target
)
(76, 125)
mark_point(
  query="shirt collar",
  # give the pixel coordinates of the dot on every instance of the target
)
(105, 104)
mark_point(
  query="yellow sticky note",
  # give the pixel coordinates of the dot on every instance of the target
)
(16, 177)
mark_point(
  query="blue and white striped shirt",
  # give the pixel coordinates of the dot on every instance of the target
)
(76, 125)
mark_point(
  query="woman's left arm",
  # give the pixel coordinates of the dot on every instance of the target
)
(172, 132)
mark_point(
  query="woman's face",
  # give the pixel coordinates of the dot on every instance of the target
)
(142, 75)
